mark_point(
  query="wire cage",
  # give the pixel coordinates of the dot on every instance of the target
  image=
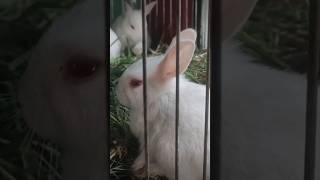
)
(169, 18)
(18, 143)
(166, 20)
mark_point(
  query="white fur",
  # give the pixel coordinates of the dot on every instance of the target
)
(115, 45)
(161, 121)
(132, 38)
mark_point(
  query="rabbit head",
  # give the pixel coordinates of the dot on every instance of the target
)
(132, 21)
(161, 72)
(63, 88)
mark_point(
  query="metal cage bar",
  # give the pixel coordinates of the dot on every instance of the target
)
(197, 19)
(313, 73)
(178, 21)
(144, 40)
(107, 76)
(209, 64)
(111, 10)
(215, 56)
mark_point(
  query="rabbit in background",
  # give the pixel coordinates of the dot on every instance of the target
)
(128, 28)
(263, 112)
(63, 90)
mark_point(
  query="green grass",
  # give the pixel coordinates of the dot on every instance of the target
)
(277, 34)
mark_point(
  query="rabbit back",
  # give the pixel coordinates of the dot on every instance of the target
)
(162, 127)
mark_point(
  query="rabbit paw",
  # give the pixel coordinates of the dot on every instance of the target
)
(137, 49)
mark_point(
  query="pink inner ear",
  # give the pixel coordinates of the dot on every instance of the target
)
(149, 7)
(135, 83)
(167, 68)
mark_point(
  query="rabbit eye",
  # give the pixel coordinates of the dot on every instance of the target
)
(81, 67)
(132, 27)
(135, 83)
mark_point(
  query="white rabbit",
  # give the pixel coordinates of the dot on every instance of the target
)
(63, 90)
(161, 111)
(115, 45)
(128, 27)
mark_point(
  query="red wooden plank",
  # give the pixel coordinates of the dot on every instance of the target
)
(163, 19)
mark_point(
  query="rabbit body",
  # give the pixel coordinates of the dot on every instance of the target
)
(115, 45)
(161, 123)
(128, 28)
(128, 39)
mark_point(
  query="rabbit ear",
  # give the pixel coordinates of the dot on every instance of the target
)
(234, 15)
(167, 68)
(127, 7)
(150, 6)
(187, 34)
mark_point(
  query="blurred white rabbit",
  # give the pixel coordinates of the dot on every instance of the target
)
(161, 111)
(128, 27)
(263, 114)
(115, 45)
(63, 90)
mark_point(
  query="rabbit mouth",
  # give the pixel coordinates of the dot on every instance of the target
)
(122, 97)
